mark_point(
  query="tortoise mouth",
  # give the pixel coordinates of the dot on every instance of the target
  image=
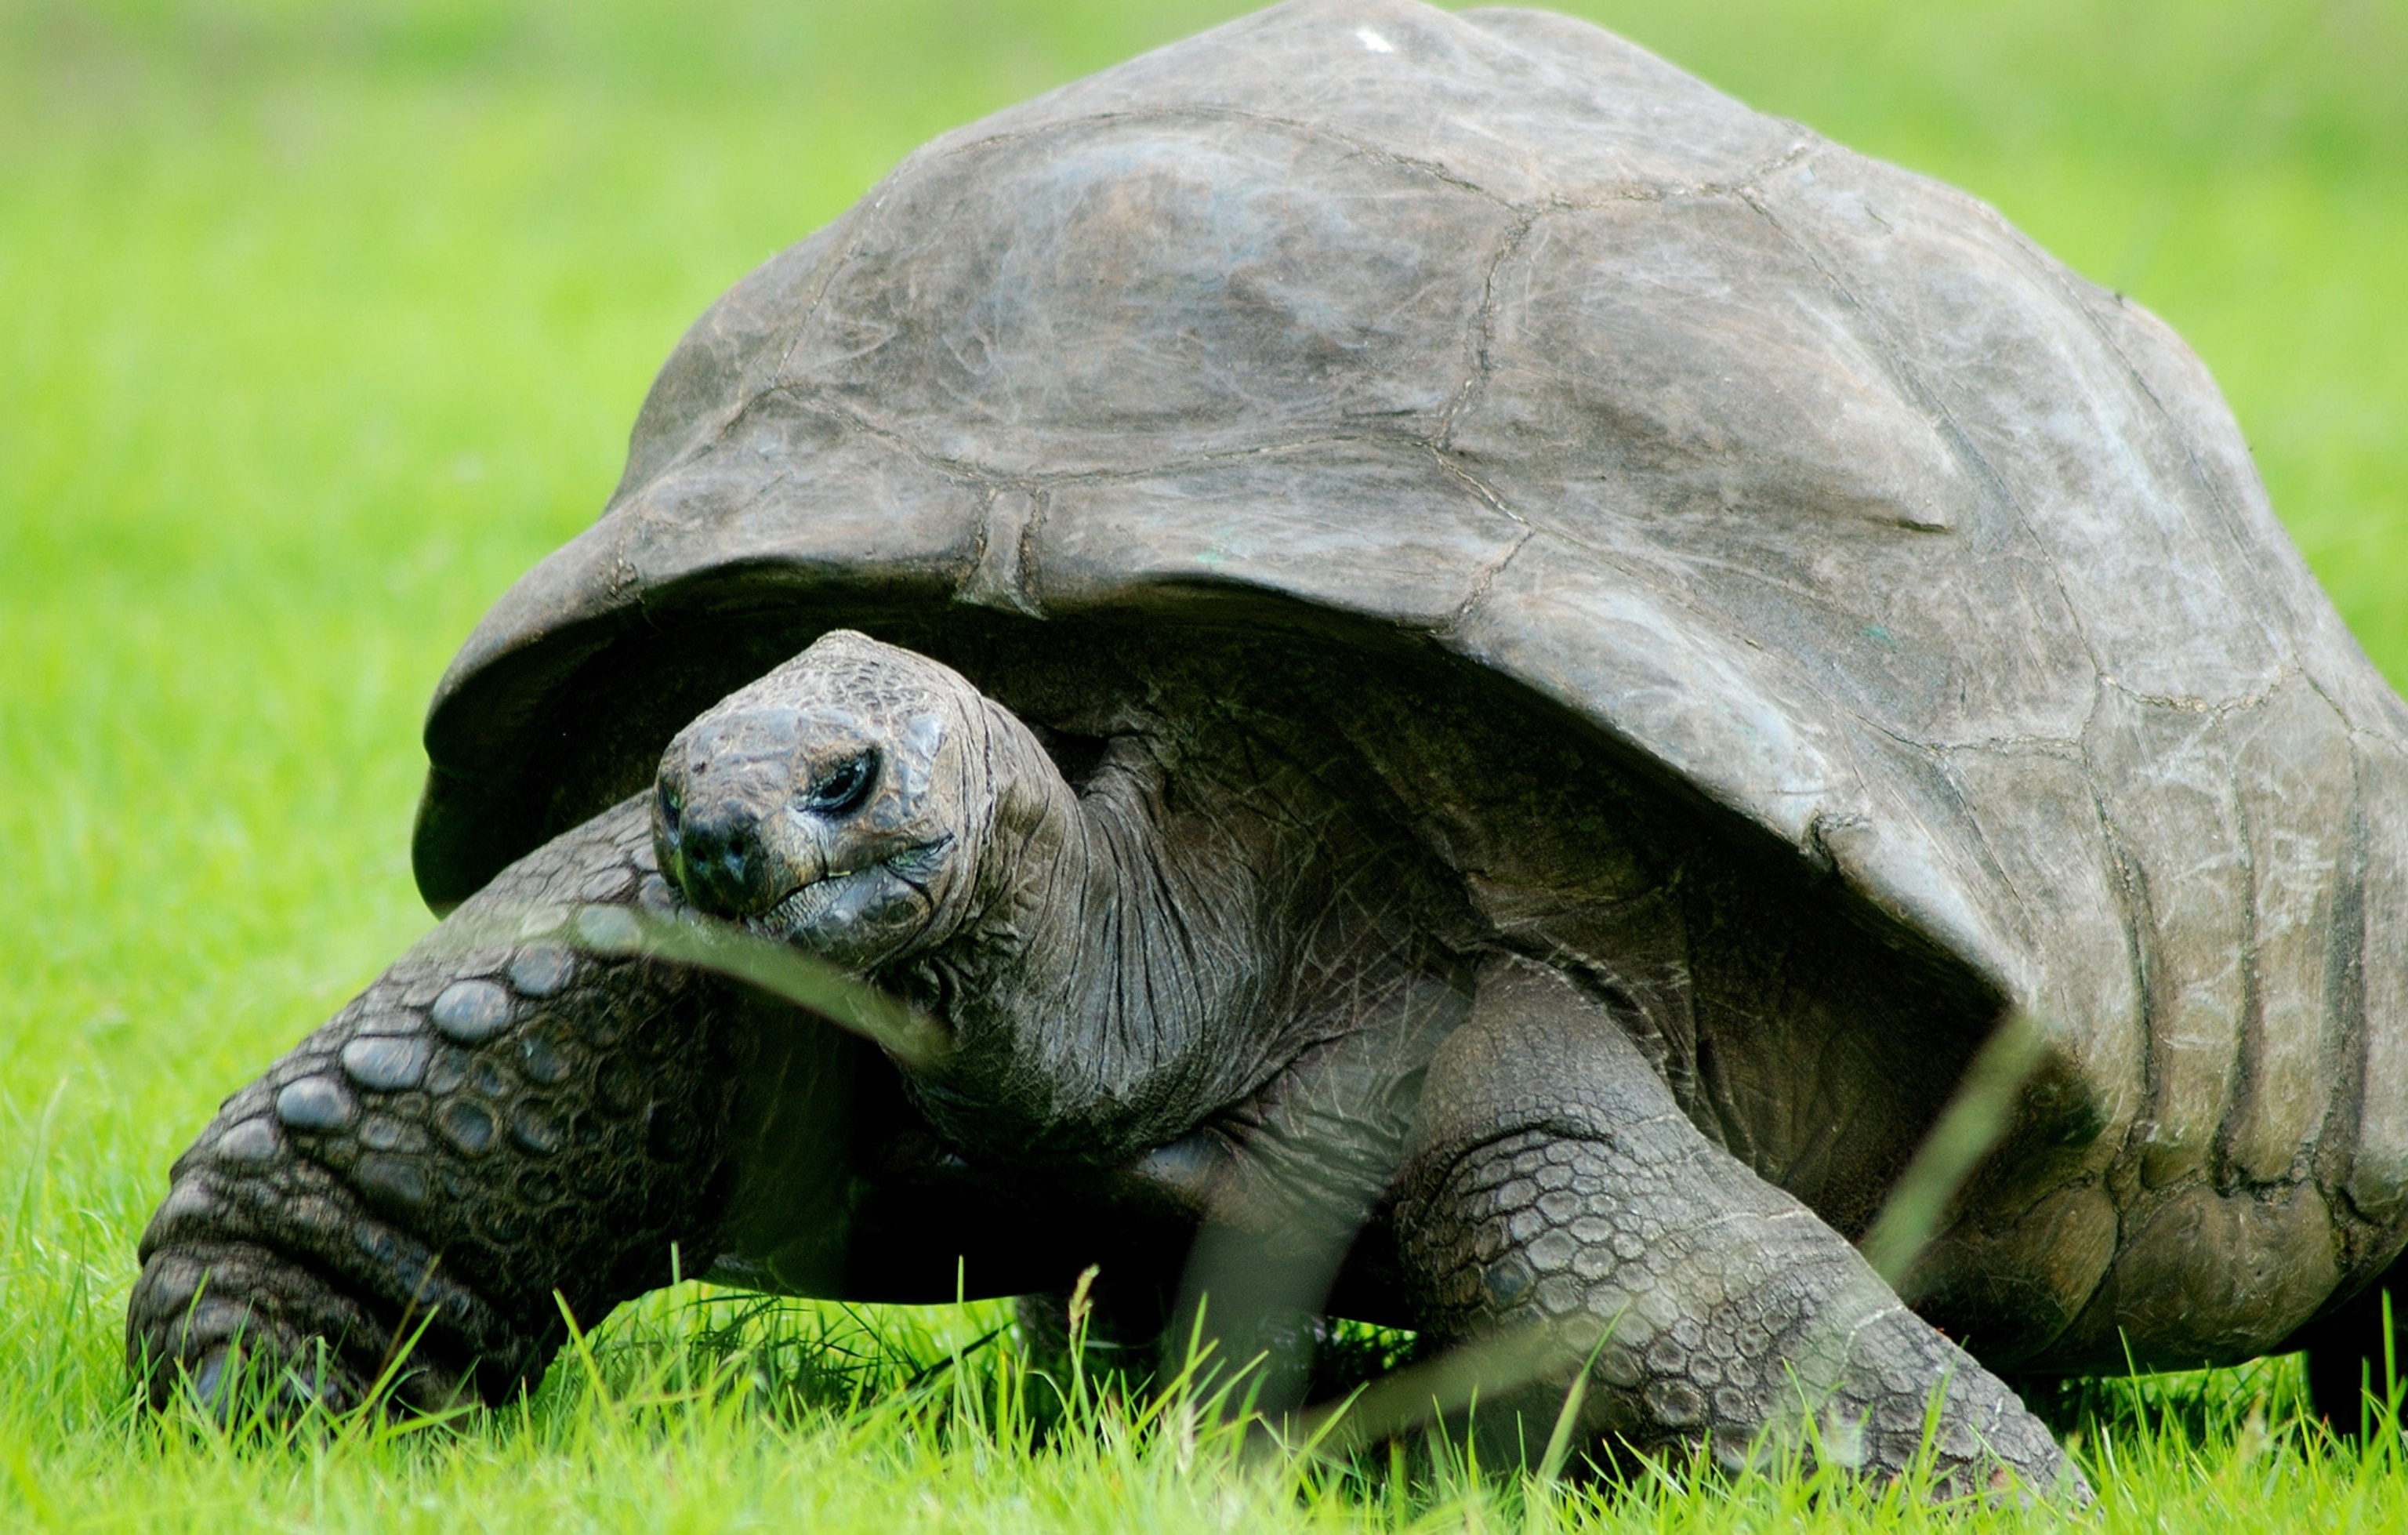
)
(799, 909)
(887, 901)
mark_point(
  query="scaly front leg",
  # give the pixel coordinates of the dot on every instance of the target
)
(491, 1122)
(1555, 1185)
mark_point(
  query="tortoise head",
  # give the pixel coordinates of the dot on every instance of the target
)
(845, 802)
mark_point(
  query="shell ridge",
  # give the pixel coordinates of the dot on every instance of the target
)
(2138, 908)
(833, 268)
(2170, 1139)
(1634, 586)
(1483, 335)
(871, 211)
(2082, 296)
(1884, 348)
(721, 334)
(2335, 1149)
(2015, 249)
(1963, 801)
(1481, 584)
(837, 406)
(2226, 1168)
(2343, 1134)
(1984, 471)
(1301, 127)
(1000, 577)
(1858, 837)
(1463, 473)
(2299, 879)
(1858, 871)
(2199, 704)
(2378, 1174)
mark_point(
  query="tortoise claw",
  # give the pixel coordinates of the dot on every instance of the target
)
(208, 1383)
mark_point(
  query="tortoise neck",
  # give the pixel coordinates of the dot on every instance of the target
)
(1100, 993)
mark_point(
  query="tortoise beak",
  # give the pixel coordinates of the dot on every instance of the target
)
(715, 814)
(745, 822)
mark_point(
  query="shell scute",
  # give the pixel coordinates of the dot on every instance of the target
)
(1151, 290)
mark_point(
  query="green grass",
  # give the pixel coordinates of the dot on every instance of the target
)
(319, 321)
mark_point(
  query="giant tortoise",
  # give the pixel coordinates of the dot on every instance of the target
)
(1471, 685)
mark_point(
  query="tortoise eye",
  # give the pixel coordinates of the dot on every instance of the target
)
(841, 789)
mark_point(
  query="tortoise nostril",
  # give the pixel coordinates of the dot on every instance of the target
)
(721, 863)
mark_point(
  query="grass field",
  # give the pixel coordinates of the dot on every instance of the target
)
(320, 319)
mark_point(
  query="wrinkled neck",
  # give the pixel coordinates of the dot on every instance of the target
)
(1100, 992)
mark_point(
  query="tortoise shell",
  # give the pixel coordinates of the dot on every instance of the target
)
(1801, 481)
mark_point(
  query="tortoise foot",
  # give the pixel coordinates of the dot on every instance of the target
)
(492, 1129)
(1558, 1194)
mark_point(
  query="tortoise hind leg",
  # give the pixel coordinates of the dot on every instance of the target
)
(489, 1123)
(1124, 1318)
(1554, 1183)
(2346, 1357)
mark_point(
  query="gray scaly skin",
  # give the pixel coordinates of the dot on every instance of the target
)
(1554, 1183)
(477, 1130)
(1178, 986)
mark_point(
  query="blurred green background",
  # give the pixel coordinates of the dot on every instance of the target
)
(320, 319)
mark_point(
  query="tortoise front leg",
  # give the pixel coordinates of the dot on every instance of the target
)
(1553, 1182)
(498, 1118)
